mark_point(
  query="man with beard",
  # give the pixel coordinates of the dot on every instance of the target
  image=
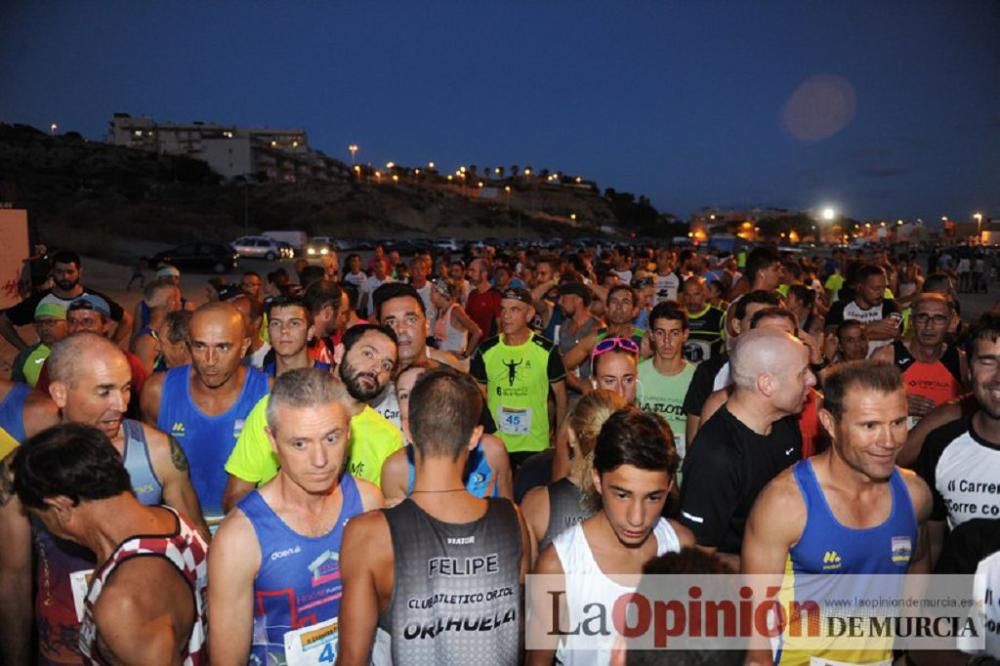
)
(577, 324)
(878, 315)
(66, 273)
(847, 511)
(365, 362)
(274, 564)
(960, 461)
(91, 383)
(204, 405)
(482, 302)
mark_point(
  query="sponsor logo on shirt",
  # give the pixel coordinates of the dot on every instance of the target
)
(325, 568)
(831, 560)
(902, 549)
(280, 554)
(177, 429)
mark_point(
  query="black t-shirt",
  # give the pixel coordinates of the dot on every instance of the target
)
(843, 310)
(969, 544)
(703, 383)
(23, 313)
(726, 467)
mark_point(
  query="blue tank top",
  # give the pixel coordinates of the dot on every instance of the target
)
(12, 411)
(298, 583)
(147, 487)
(207, 440)
(477, 472)
(829, 547)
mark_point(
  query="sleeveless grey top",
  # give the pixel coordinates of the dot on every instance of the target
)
(456, 594)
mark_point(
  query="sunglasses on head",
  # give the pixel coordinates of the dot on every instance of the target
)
(627, 345)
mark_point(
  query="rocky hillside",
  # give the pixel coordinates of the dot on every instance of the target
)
(85, 193)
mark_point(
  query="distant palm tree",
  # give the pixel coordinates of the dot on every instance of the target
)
(513, 171)
(472, 169)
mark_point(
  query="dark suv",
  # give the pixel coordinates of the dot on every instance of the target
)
(199, 256)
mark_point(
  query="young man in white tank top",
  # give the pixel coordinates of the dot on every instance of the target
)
(601, 558)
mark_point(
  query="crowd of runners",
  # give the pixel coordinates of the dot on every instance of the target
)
(363, 463)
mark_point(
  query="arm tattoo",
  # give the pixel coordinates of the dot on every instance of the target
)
(6, 481)
(177, 456)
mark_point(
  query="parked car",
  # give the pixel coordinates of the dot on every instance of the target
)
(447, 245)
(214, 257)
(295, 239)
(261, 247)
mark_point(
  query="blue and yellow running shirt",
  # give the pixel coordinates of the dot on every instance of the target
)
(829, 547)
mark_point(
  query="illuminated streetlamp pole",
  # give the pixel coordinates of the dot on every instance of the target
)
(353, 149)
(979, 227)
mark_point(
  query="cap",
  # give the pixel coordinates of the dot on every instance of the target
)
(576, 289)
(518, 294)
(168, 271)
(51, 310)
(91, 302)
(229, 291)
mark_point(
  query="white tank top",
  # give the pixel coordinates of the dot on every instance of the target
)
(457, 337)
(586, 583)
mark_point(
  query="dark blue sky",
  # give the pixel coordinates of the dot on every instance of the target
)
(692, 103)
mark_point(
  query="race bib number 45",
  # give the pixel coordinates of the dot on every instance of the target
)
(514, 421)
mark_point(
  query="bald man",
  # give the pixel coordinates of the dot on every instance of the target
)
(204, 405)
(91, 383)
(482, 301)
(748, 441)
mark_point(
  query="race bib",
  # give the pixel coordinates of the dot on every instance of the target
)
(314, 645)
(79, 582)
(514, 421)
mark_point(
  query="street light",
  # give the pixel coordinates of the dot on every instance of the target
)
(52, 128)
(979, 227)
(828, 214)
(353, 149)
